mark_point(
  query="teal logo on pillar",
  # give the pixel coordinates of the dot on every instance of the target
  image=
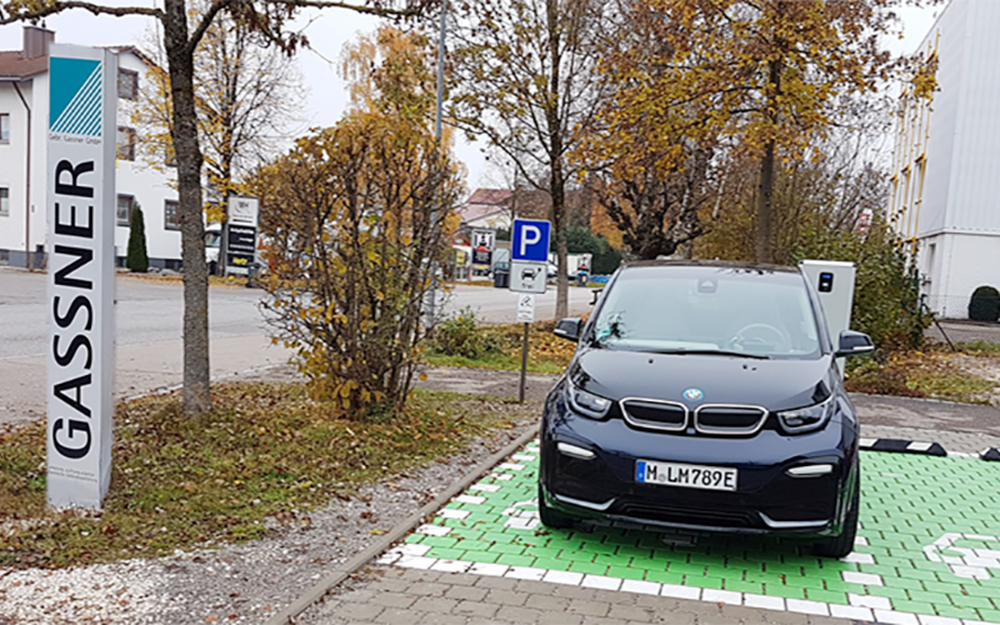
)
(75, 93)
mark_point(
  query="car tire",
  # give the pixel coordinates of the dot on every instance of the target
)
(842, 545)
(550, 518)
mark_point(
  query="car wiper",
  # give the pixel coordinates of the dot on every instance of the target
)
(708, 352)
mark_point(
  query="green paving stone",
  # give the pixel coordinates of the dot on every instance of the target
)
(918, 574)
(889, 593)
(788, 592)
(741, 586)
(660, 577)
(446, 554)
(947, 609)
(515, 560)
(826, 596)
(990, 616)
(440, 541)
(929, 597)
(414, 539)
(479, 556)
(702, 581)
(688, 568)
(878, 569)
(551, 564)
(588, 567)
(913, 607)
(624, 572)
(506, 548)
(970, 601)
(991, 591)
(906, 583)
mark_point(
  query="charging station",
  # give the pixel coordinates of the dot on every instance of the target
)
(834, 283)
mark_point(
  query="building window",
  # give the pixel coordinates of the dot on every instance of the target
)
(171, 215)
(4, 128)
(4, 202)
(128, 84)
(126, 143)
(123, 216)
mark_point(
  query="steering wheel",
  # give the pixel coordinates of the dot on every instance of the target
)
(760, 335)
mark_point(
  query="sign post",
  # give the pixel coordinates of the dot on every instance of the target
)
(80, 204)
(529, 271)
(241, 233)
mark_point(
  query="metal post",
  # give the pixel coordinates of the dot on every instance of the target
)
(524, 364)
(429, 300)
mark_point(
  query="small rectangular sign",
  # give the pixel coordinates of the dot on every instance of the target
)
(526, 308)
(530, 240)
(482, 257)
(528, 277)
(485, 239)
(241, 232)
(80, 198)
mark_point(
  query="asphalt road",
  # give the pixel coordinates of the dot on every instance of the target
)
(149, 317)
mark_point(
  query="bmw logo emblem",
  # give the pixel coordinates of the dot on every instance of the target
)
(693, 394)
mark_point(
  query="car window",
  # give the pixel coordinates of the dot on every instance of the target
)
(677, 308)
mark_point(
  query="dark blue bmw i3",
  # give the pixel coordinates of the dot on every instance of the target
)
(707, 397)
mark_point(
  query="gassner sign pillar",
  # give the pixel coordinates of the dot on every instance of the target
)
(82, 133)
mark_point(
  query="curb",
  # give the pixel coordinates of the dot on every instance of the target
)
(901, 446)
(314, 594)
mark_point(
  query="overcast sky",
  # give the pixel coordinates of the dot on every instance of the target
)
(328, 31)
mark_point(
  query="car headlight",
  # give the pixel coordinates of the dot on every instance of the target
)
(587, 404)
(806, 419)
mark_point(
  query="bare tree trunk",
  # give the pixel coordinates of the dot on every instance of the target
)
(557, 184)
(765, 199)
(559, 227)
(180, 54)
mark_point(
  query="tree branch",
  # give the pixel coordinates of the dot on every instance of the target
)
(59, 7)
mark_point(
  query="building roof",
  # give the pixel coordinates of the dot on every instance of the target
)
(13, 65)
(495, 197)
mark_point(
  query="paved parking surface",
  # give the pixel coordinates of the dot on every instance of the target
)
(928, 550)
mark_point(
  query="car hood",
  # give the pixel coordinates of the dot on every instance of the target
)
(772, 384)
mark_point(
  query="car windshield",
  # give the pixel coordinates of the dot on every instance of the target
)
(685, 309)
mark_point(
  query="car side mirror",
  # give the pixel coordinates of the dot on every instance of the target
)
(854, 344)
(569, 328)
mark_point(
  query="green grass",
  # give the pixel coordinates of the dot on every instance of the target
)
(265, 450)
(979, 348)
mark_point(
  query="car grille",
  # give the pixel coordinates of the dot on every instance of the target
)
(655, 415)
(682, 516)
(710, 420)
(729, 420)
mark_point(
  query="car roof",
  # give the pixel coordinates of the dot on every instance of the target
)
(685, 262)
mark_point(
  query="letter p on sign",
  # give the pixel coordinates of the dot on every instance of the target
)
(531, 240)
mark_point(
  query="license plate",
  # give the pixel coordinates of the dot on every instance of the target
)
(685, 475)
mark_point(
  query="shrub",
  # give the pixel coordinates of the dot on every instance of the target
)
(137, 260)
(461, 336)
(984, 304)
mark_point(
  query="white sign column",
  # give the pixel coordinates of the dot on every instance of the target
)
(82, 133)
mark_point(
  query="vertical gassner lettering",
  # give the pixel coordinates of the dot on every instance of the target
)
(80, 188)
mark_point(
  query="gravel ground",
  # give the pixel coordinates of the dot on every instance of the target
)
(240, 583)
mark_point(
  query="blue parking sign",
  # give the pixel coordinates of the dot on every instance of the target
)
(530, 240)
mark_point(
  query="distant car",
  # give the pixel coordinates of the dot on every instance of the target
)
(553, 271)
(707, 397)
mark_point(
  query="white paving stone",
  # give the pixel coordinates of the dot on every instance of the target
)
(896, 618)
(487, 488)
(451, 566)
(433, 530)
(680, 592)
(859, 558)
(489, 569)
(861, 541)
(526, 572)
(937, 620)
(807, 607)
(868, 579)
(601, 581)
(502, 476)
(470, 499)
(763, 601)
(569, 578)
(851, 612)
(451, 513)
(413, 549)
(721, 596)
(523, 457)
(641, 587)
(867, 601)
(416, 562)
(510, 466)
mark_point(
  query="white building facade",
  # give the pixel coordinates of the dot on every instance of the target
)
(24, 98)
(944, 198)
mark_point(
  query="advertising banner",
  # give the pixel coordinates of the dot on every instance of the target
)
(241, 233)
(80, 195)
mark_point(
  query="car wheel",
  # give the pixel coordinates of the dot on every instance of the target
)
(843, 545)
(551, 518)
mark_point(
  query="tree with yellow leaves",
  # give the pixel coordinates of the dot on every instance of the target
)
(354, 215)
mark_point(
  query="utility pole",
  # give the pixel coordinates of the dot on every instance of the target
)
(430, 302)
